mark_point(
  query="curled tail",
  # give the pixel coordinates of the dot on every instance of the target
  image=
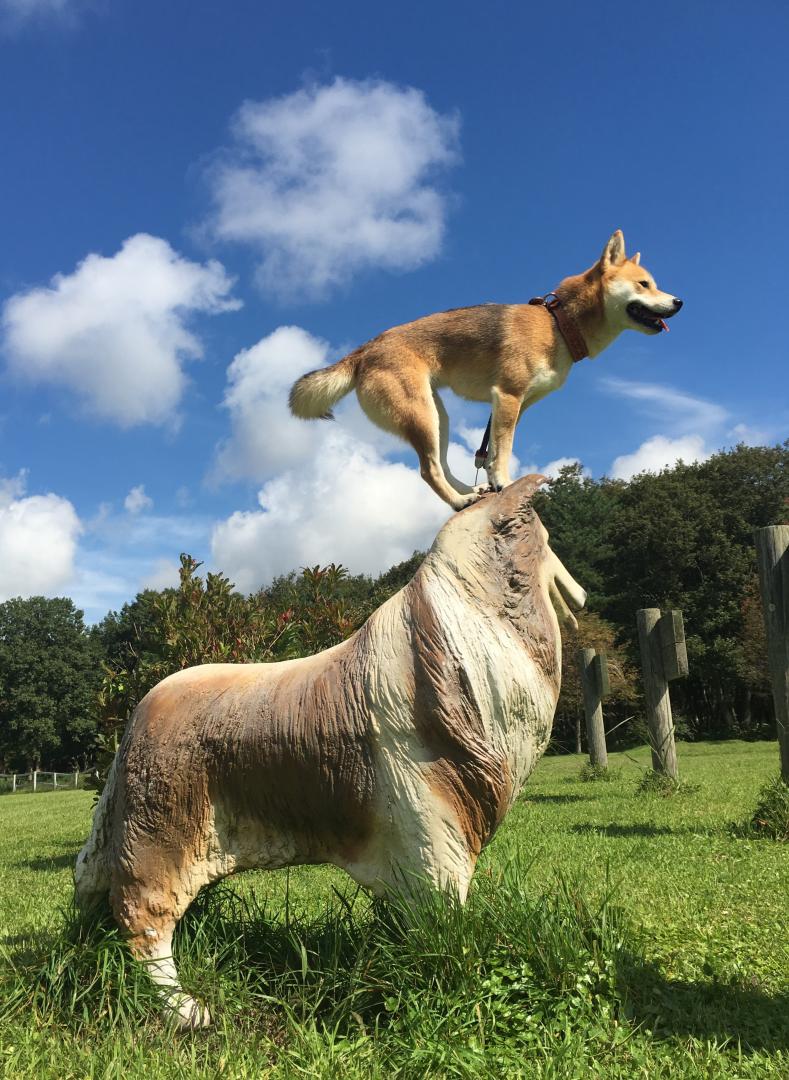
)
(312, 396)
(93, 869)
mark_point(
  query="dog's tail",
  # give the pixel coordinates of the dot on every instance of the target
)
(313, 395)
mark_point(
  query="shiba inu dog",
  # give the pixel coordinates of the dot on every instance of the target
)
(508, 354)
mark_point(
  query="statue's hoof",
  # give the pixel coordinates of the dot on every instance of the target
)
(186, 1013)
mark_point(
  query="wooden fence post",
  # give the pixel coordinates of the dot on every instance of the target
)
(593, 693)
(35, 779)
(663, 657)
(76, 778)
(54, 780)
(772, 551)
(13, 782)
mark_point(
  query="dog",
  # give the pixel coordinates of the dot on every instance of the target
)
(394, 755)
(508, 354)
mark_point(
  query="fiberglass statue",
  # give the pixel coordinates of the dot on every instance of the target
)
(394, 755)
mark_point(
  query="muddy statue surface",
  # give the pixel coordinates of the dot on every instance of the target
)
(394, 755)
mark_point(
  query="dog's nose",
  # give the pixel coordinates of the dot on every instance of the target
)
(677, 303)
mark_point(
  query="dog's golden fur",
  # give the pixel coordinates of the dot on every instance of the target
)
(508, 354)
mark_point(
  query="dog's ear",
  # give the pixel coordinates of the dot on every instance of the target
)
(614, 251)
(636, 258)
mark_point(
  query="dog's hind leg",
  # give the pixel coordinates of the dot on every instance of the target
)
(443, 424)
(402, 401)
(423, 431)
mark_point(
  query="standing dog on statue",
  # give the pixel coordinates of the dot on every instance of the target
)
(508, 354)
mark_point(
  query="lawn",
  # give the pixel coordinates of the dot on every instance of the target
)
(609, 933)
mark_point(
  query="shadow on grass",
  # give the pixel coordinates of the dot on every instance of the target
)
(53, 862)
(625, 830)
(716, 1011)
(557, 798)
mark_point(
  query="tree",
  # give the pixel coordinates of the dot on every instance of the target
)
(49, 675)
(593, 632)
(576, 510)
(684, 539)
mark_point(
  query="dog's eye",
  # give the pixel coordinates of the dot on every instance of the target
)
(644, 283)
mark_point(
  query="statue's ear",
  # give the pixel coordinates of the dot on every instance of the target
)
(532, 484)
(518, 494)
(614, 251)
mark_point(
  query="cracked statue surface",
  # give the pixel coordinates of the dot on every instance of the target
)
(394, 755)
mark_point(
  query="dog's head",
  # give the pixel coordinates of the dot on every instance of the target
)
(498, 547)
(631, 299)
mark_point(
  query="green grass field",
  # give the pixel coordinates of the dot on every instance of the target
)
(608, 934)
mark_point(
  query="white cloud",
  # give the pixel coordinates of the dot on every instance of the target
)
(553, 468)
(348, 505)
(265, 436)
(751, 436)
(681, 411)
(164, 574)
(114, 332)
(658, 453)
(137, 501)
(332, 180)
(38, 541)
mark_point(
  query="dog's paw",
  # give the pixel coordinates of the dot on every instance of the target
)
(473, 496)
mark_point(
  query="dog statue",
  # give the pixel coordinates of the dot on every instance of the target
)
(508, 354)
(394, 755)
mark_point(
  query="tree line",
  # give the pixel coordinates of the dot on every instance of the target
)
(682, 538)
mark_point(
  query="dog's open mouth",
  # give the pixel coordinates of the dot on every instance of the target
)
(642, 315)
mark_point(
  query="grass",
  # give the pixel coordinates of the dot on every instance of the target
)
(608, 934)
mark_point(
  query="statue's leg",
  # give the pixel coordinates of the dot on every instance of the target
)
(147, 908)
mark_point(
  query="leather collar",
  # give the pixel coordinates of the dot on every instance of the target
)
(567, 328)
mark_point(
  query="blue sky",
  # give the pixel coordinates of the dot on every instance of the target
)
(201, 201)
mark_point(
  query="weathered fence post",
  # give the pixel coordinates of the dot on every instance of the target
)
(35, 779)
(13, 782)
(661, 638)
(76, 778)
(54, 780)
(772, 551)
(593, 694)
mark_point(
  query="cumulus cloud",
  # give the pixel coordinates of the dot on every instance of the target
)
(658, 453)
(694, 427)
(137, 501)
(553, 468)
(350, 506)
(265, 436)
(114, 332)
(38, 541)
(332, 180)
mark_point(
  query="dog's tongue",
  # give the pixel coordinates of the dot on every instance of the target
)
(664, 324)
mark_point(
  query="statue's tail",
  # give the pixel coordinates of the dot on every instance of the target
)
(313, 395)
(92, 873)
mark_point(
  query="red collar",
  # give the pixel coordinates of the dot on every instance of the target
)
(567, 328)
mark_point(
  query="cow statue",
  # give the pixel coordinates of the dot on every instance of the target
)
(394, 755)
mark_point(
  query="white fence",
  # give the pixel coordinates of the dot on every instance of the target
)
(39, 780)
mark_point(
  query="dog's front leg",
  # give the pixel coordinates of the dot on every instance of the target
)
(506, 410)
